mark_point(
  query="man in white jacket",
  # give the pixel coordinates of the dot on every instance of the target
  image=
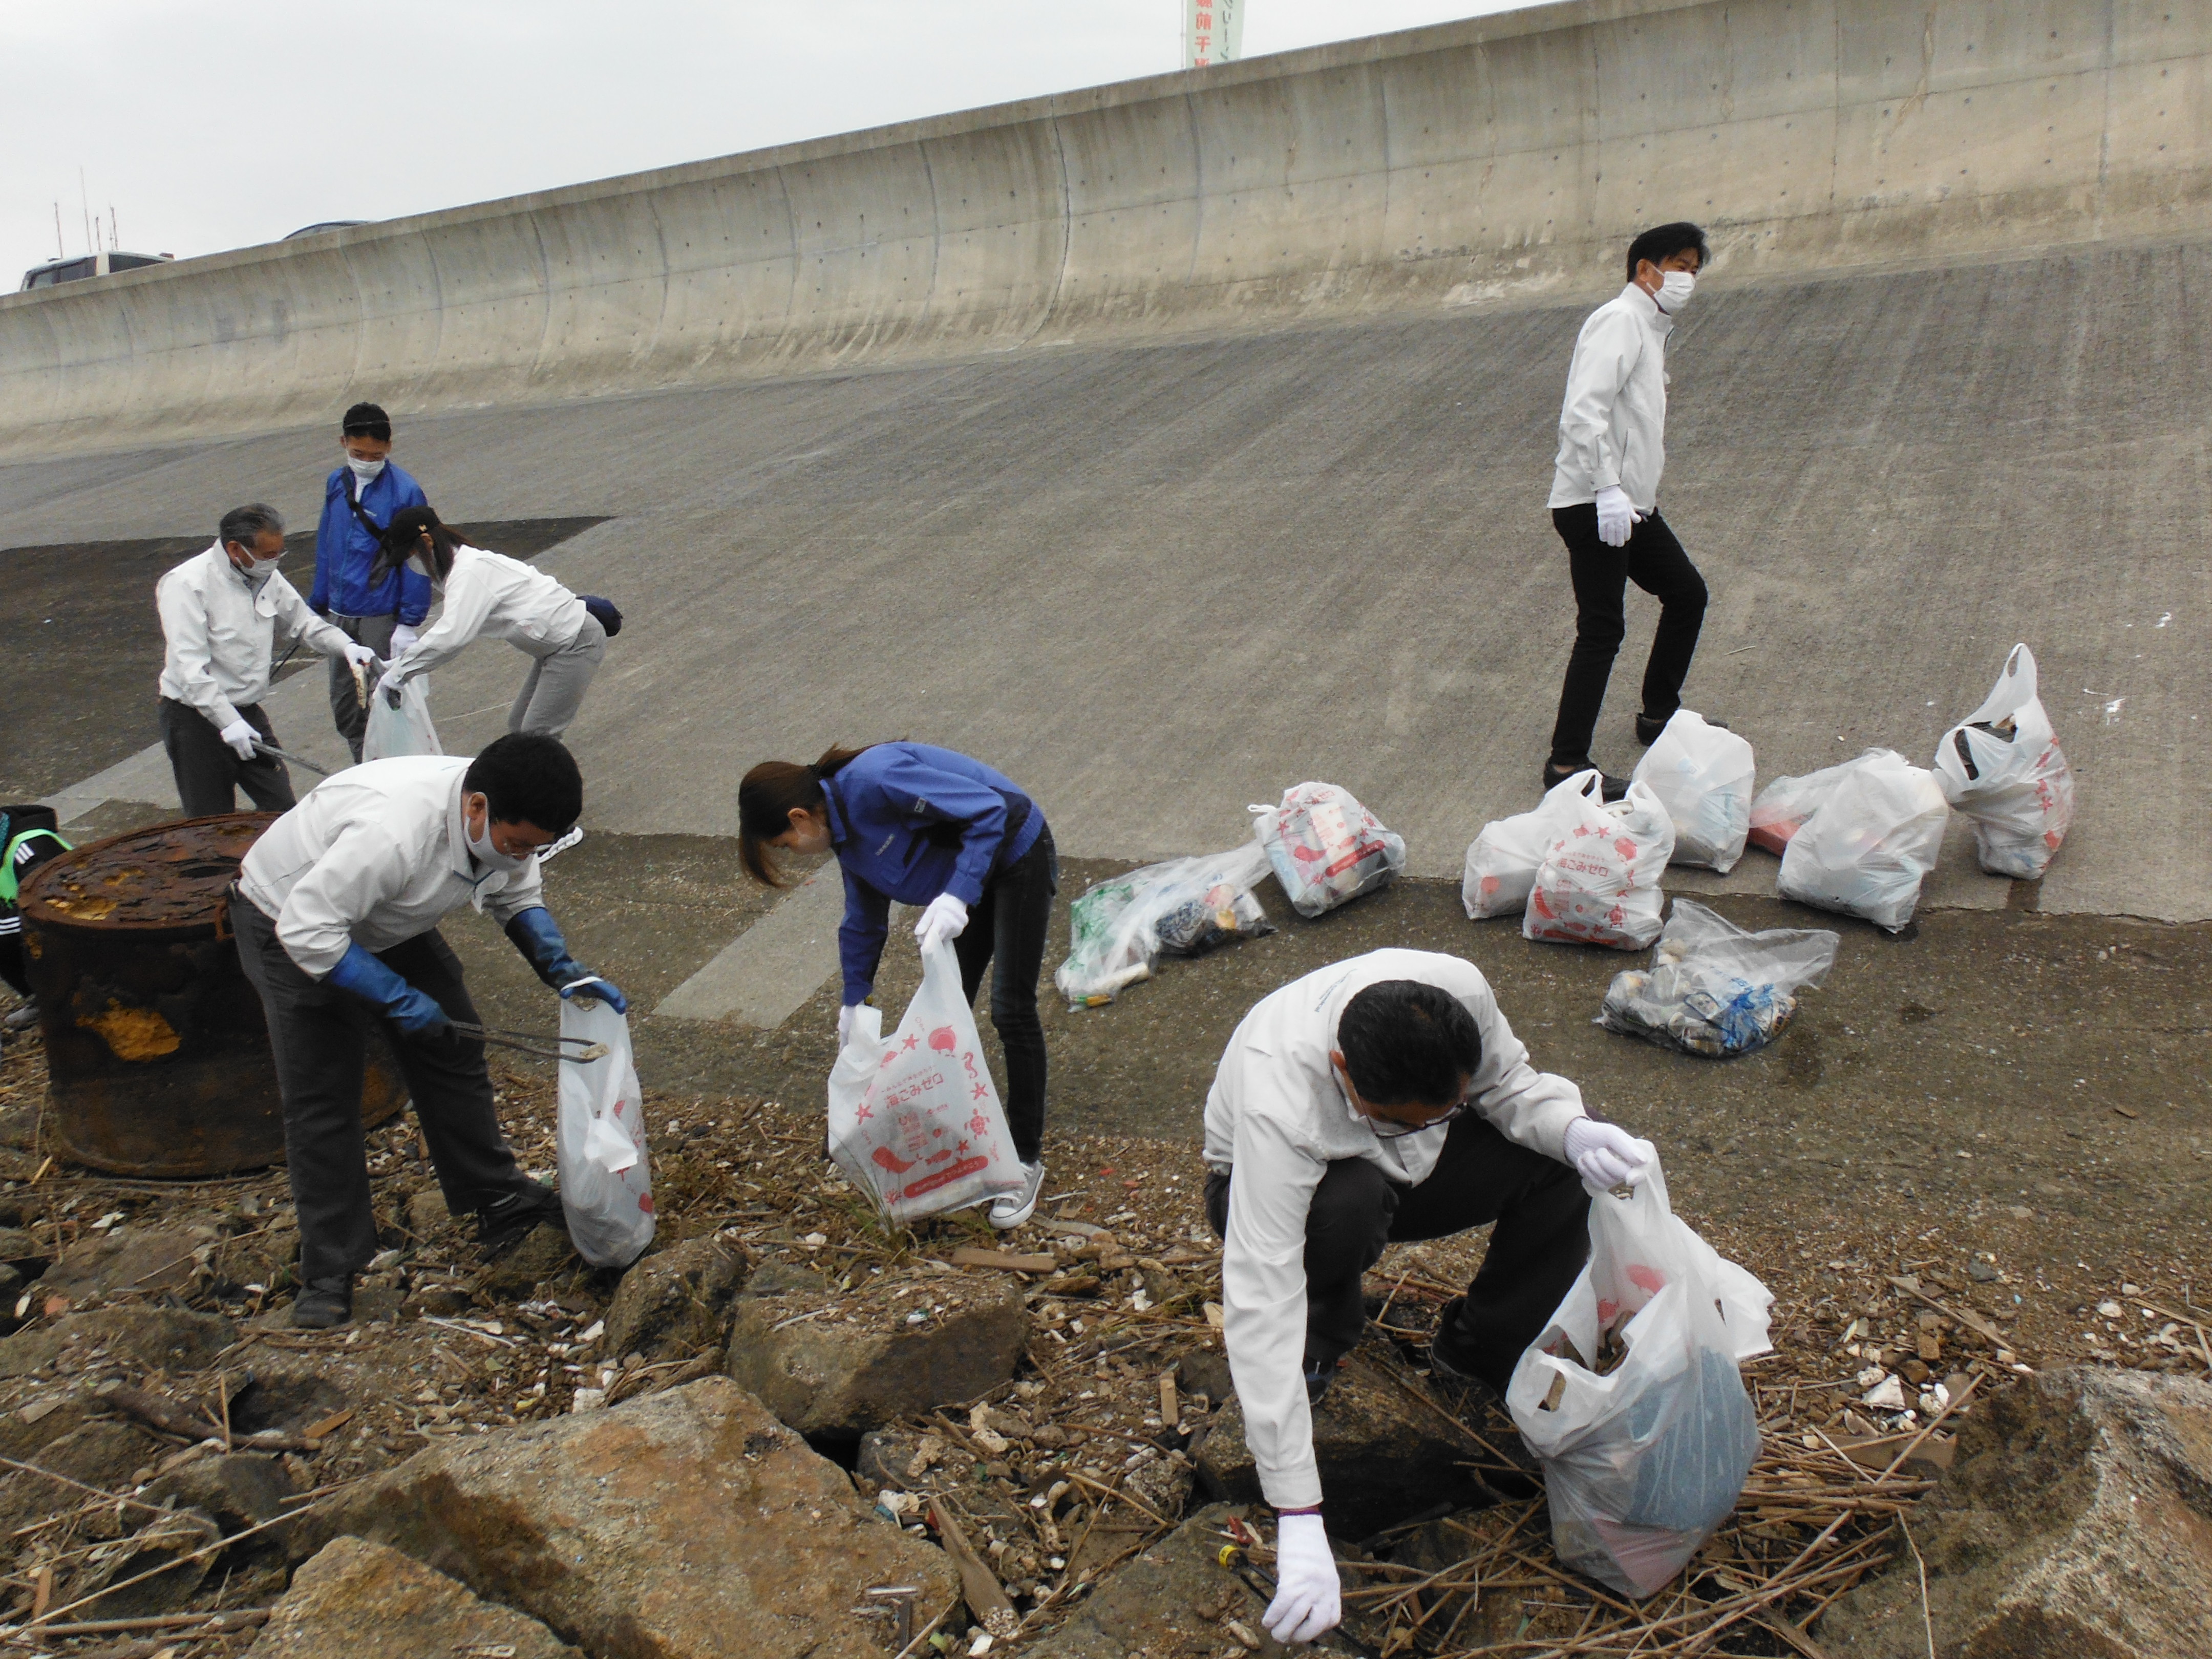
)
(1382, 1099)
(1604, 498)
(221, 613)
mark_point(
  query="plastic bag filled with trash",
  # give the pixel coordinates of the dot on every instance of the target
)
(605, 1172)
(405, 729)
(1631, 1397)
(2002, 767)
(1871, 844)
(915, 1118)
(1120, 928)
(1701, 775)
(1779, 810)
(1502, 861)
(1712, 988)
(1327, 849)
(1599, 882)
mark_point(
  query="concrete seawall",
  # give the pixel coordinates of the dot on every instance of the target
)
(1495, 162)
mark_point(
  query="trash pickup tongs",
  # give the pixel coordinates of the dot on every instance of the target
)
(582, 1050)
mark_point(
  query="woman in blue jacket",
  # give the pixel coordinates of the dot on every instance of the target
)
(928, 827)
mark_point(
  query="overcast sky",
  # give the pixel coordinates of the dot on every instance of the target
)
(208, 125)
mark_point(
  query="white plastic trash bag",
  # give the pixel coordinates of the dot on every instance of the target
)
(1871, 844)
(605, 1172)
(1714, 988)
(2002, 767)
(1120, 928)
(915, 1120)
(1631, 1397)
(1599, 882)
(1326, 847)
(1779, 810)
(1501, 862)
(1701, 775)
(405, 729)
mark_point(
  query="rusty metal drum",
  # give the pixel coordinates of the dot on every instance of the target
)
(157, 1053)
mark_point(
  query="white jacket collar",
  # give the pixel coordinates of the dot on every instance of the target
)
(1646, 307)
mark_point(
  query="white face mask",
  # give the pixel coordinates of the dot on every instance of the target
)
(367, 471)
(1674, 288)
(482, 850)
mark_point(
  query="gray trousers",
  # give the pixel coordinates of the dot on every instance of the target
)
(317, 1033)
(209, 772)
(554, 690)
(346, 712)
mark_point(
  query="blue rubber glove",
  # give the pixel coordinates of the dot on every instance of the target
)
(538, 936)
(362, 974)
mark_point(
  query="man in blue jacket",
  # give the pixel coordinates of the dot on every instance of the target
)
(358, 502)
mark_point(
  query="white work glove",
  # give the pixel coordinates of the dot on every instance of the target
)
(1308, 1596)
(242, 738)
(1606, 1155)
(401, 637)
(359, 655)
(845, 1023)
(390, 685)
(1616, 517)
(945, 919)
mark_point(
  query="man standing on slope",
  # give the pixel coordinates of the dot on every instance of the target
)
(1605, 493)
(359, 500)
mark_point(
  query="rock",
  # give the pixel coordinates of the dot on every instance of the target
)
(146, 1339)
(43, 1417)
(21, 1247)
(1383, 1455)
(683, 1525)
(427, 1215)
(145, 1260)
(841, 1369)
(786, 1278)
(104, 1452)
(239, 1489)
(515, 1277)
(357, 1600)
(1206, 1370)
(183, 1537)
(2075, 1523)
(676, 1303)
(1174, 1597)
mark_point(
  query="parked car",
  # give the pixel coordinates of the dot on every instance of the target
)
(103, 263)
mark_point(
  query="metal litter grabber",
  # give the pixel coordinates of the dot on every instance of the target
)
(272, 751)
(529, 1042)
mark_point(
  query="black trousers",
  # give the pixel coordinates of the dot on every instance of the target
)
(346, 712)
(1656, 562)
(208, 770)
(317, 1033)
(1540, 1245)
(1008, 928)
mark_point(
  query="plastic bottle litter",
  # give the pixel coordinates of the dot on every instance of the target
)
(1119, 929)
(1599, 882)
(2002, 767)
(1701, 775)
(1327, 849)
(1714, 988)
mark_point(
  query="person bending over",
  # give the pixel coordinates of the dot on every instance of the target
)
(336, 910)
(1377, 1100)
(928, 827)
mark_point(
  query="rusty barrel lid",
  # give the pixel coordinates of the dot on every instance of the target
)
(171, 879)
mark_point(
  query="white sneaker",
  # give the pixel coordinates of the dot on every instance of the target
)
(1011, 1209)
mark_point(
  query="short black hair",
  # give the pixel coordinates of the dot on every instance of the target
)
(244, 524)
(528, 778)
(367, 421)
(1662, 242)
(1406, 1044)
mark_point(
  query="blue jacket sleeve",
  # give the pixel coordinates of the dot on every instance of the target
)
(860, 937)
(414, 587)
(914, 789)
(329, 541)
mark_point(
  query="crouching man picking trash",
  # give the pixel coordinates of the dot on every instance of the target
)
(1339, 1123)
(336, 910)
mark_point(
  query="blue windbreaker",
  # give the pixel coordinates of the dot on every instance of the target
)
(907, 822)
(344, 549)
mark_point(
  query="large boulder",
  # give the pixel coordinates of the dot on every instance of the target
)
(675, 1303)
(137, 1338)
(837, 1366)
(688, 1524)
(105, 1453)
(1384, 1455)
(357, 1600)
(2074, 1523)
(142, 1260)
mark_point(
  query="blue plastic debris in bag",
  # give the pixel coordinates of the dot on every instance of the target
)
(1715, 989)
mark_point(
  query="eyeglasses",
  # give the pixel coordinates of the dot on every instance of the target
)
(1387, 1128)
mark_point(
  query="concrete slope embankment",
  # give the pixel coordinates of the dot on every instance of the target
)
(1491, 161)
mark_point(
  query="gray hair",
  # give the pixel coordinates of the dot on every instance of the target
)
(244, 524)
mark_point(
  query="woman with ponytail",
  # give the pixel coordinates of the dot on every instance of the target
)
(490, 593)
(928, 827)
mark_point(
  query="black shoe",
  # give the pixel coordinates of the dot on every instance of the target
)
(1555, 774)
(1648, 728)
(1319, 1373)
(508, 1220)
(323, 1303)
